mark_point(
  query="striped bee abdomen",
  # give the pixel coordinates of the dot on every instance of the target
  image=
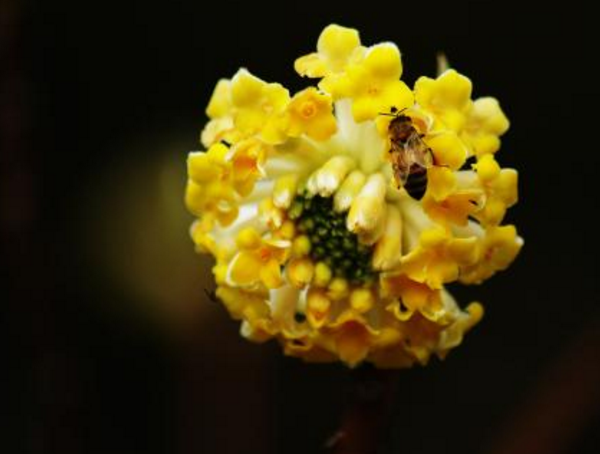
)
(416, 184)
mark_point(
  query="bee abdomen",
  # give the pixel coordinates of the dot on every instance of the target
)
(416, 185)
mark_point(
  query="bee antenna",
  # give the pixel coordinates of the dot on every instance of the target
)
(394, 112)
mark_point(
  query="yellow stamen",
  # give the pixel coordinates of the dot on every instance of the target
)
(301, 246)
(322, 275)
(300, 272)
(338, 289)
(362, 300)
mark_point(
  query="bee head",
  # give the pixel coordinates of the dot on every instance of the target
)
(394, 112)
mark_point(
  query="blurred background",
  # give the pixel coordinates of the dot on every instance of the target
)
(113, 346)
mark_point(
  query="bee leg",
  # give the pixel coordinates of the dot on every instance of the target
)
(435, 163)
(430, 151)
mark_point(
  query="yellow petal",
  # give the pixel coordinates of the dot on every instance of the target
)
(270, 274)
(463, 250)
(433, 238)
(317, 305)
(194, 197)
(228, 216)
(454, 89)
(217, 130)
(200, 169)
(396, 94)
(503, 246)
(441, 182)
(482, 144)
(487, 115)
(352, 343)
(492, 212)
(274, 129)
(270, 214)
(448, 150)
(440, 272)
(311, 65)
(323, 127)
(337, 42)
(487, 168)
(244, 269)
(507, 186)
(383, 61)
(311, 112)
(455, 208)
(248, 238)
(448, 97)
(220, 101)
(246, 89)
(416, 295)
(424, 90)
(366, 108)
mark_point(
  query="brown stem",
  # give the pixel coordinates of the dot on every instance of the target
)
(366, 416)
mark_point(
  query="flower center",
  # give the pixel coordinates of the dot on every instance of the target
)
(308, 109)
(373, 90)
(264, 254)
(267, 108)
(331, 242)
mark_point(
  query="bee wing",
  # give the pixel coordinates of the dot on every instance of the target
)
(400, 163)
(419, 152)
(402, 175)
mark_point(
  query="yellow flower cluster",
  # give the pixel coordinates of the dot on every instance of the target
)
(315, 243)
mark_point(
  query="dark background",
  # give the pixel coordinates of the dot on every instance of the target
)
(113, 346)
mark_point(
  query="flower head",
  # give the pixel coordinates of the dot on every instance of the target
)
(311, 113)
(337, 48)
(448, 97)
(316, 243)
(374, 83)
(258, 107)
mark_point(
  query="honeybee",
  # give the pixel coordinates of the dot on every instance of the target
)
(410, 155)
